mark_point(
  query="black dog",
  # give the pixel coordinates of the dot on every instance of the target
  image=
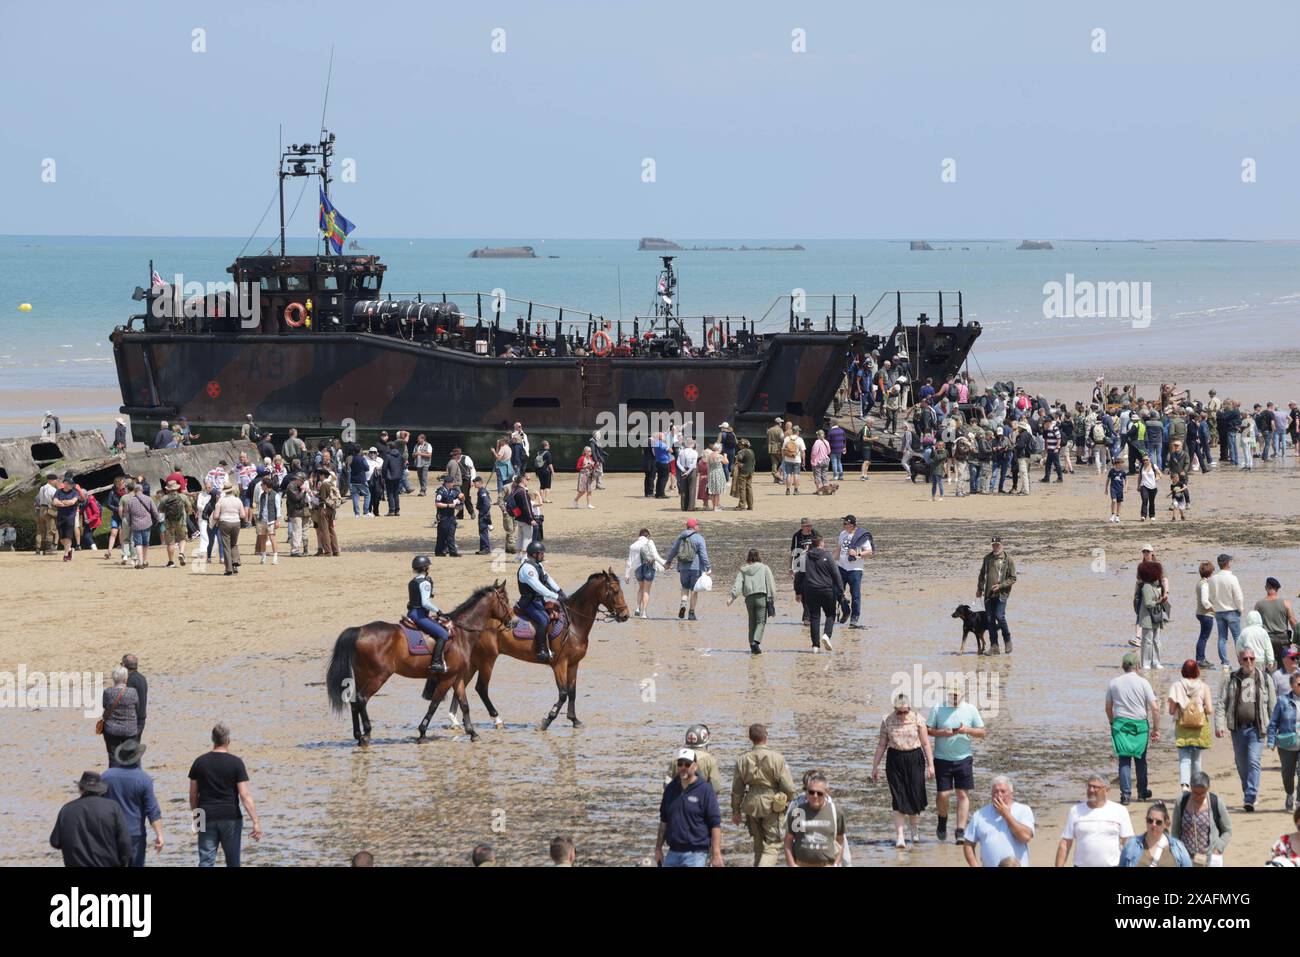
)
(972, 623)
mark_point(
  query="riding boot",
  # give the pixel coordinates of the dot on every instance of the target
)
(438, 666)
(539, 648)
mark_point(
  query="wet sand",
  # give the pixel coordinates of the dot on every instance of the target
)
(252, 651)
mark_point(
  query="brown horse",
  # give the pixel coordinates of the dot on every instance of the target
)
(601, 589)
(367, 656)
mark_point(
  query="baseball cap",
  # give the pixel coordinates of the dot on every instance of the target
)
(1131, 660)
(850, 519)
(686, 754)
(1148, 548)
(1292, 652)
(995, 540)
(692, 523)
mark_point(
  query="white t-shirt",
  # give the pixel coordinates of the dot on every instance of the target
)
(229, 509)
(852, 564)
(1097, 832)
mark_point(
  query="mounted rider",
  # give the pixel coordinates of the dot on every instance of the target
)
(421, 610)
(536, 589)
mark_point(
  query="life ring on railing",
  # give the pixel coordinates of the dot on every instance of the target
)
(295, 309)
(719, 341)
(601, 343)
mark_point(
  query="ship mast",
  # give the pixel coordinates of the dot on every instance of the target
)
(665, 304)
(307, 159)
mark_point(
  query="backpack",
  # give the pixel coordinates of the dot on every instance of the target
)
(647, 555)
(1193, 716)
(954, 393)
(791, 449)
(686, 549)
(92, 512)
(174, 508)
(1038, 444)
(1099, 433)
(540, 459)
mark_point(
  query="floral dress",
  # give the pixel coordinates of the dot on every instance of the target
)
(717, 475)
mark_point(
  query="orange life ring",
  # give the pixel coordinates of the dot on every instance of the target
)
(601, 343)
(721, 337)
(295, 309)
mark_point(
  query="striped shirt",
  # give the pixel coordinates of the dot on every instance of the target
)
(1052, 438)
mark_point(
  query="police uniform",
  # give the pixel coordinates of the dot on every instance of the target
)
(421, 609)
(536, 587)
(761, 781)
(446, 541)
(484, 506)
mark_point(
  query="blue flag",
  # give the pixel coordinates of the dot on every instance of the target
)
(333, 224)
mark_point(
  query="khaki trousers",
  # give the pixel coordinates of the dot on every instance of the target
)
(766, 832)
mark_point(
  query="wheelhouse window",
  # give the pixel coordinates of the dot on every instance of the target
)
(297, 283)
(270, 283)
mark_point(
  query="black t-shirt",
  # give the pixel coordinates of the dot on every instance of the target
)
(219, 775)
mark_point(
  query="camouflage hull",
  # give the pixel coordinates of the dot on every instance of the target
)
(323, 384)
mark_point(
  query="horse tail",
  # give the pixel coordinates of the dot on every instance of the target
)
(340, 669)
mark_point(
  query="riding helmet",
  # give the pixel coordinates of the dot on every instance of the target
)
(536, 549)
(420, 563)
(696, 735)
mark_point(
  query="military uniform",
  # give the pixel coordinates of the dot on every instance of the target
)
(762, 775)
(446, 542)
(708, 769)
(744, 480)
(507, 523)
(47, 526)
(775, 436)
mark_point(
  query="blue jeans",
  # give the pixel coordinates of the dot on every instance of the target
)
(686, 859)
(974, 468)
(1153, 449)
(139, 844)
(1126, 775)
(360, 498)
(1189, 762)
(1234, 449)
(225, 833)
(936, 483)
(1247, 748)
(1228, 621)
(1207, 625)
(837, 465)
(996, 609)
(853, 578)
(1279, 444)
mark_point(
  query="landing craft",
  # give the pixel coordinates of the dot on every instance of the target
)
(329, 345)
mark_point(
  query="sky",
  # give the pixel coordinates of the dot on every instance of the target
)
(1048, 137)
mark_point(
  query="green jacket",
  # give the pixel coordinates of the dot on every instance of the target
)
(990, 577)
(754, 578)
(745, 461)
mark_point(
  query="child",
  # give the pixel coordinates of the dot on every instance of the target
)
(1116, 479)
(1179, 496)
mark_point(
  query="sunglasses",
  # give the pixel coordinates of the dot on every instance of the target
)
(684, 764)
(812, 793)
(1156, 821)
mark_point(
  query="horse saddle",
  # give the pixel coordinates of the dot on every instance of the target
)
(522, 628)
(417, 642)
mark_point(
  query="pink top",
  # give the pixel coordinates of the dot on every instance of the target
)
(821, 452)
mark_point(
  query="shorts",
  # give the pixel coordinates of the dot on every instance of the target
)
(141, 538)
(114, 523)
(866, 451)
(267, 528)
(954, 774)
(689, 576)
(1117, 495)
(175, 533)
(67, 527)
(645, 573)
(791, 468)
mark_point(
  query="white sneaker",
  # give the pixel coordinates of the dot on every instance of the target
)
(591, 506)
(275, 559)
(826, 643)
(263, 560)
(816, 650)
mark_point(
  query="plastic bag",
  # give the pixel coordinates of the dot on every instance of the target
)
(705, 583)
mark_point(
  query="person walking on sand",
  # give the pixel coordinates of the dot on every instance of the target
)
(1115, 484)
(793, 451)
(1156, 847)
(687, 461)
(1192, 708)
(814, 826)
(822, 588)
(1228, 602)
(951, 726)
(643, 561)
(775, 439)
(1243, 710)
(1152, 611)
(1283, 725)
(692, 556)
(997, 575)
(1279, 618)
(1134, 719)
(761, 790)
(718, 465)
(227, 518)
(1202, 823)
(120, 717)
(1000, 829)
(755, 583)
(218, 786)
(1096, 829)
(586, 469)
(690, 820)
(908, 766)
(91, 830)
(743, 477)
(142, 515)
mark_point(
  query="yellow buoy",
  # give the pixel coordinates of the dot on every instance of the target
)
(25, 307)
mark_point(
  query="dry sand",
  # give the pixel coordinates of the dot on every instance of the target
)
(252, 651)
